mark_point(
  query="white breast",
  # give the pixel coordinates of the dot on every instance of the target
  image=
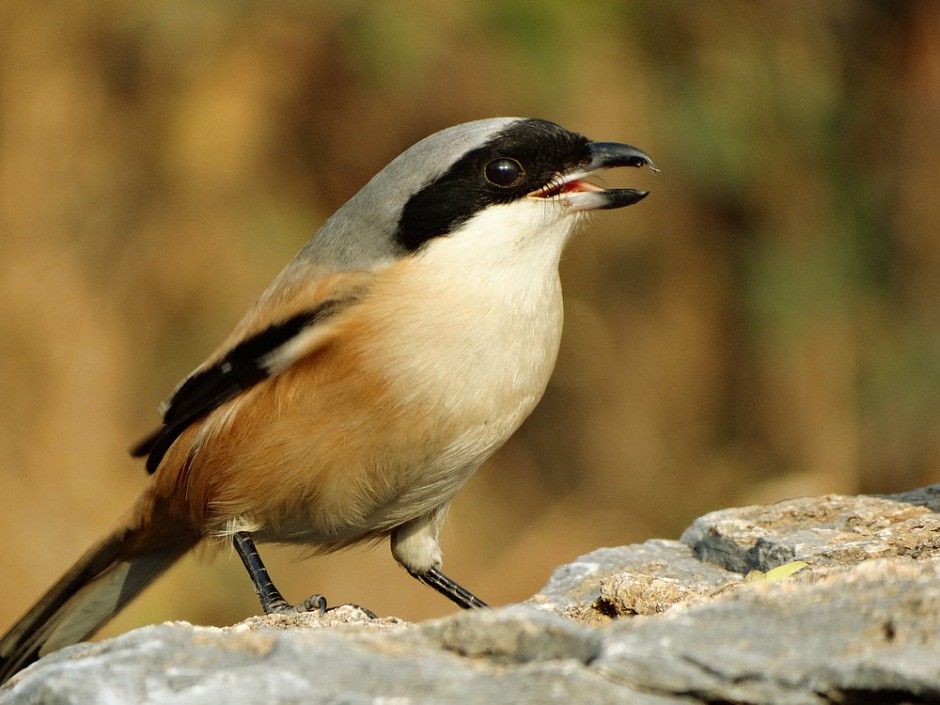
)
(477, 319)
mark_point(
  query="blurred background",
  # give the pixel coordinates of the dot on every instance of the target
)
(766, 324)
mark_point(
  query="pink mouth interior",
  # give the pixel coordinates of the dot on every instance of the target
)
(573, 186)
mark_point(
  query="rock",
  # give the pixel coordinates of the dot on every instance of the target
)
(650, 624)
(610, 582)
(867, 634)
(501, 658)
(829, 530)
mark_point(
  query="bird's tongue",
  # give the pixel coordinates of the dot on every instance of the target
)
(578, 186)
(573, 186)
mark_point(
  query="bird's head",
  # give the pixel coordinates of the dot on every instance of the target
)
(526, 177)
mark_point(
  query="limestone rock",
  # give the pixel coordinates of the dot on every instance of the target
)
(657, 623)
(828, 530)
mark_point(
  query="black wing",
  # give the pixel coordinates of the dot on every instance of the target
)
(242, 367)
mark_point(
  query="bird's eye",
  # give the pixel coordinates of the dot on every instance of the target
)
(504, 172)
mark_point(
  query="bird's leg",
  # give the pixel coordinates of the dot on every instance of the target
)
(415, 545)
(272, 601)
(450, 589)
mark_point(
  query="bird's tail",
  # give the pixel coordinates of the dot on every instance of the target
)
(93, 591)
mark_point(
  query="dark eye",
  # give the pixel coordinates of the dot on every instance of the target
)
(504, 172)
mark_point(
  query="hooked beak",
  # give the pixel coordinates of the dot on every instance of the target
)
(580, 195)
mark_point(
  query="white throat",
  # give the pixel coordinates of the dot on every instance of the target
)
(478, 320)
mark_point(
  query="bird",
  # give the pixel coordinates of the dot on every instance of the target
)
(404, 344)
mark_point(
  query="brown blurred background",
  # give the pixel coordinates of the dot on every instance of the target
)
(764, 325)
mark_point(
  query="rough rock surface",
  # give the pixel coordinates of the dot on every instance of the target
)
(661, 622)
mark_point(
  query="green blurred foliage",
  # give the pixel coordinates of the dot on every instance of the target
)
(764, 325)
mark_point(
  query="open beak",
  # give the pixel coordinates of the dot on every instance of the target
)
(580, 195)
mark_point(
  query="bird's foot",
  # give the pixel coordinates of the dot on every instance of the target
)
(278, 605)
